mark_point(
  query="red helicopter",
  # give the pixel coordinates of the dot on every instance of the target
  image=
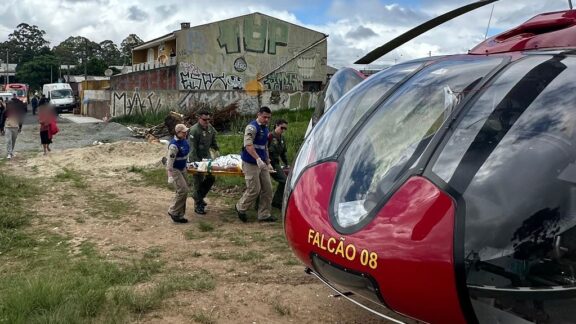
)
(444, 189)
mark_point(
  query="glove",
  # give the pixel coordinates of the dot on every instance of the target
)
(261, 164)
(170, 180)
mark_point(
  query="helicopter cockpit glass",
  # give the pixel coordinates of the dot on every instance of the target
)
(396, 134)
(336, 124)
(512, 158)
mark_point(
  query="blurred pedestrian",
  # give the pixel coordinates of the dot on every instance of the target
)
(202, 138)
(34, 101)
(178, 150)
(278, 159)
(43, 100)
(256, 167)
(48, 127)
(13, 117)
(2, 109)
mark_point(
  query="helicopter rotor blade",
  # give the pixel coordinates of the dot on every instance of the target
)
(418, 30)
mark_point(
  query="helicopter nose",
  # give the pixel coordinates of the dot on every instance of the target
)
(406, 251)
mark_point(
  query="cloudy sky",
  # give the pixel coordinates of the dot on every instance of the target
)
(354, 26)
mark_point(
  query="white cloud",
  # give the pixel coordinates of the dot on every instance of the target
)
(99, 20)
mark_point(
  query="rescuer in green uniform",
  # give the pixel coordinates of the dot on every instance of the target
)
(202, 138)
(278, 159)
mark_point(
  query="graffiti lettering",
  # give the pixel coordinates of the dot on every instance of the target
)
(209, 81)
(136, 104)
(255, 29)
(229, 37)
(277, 36)
(283, 81)
(189, 68)
(257, 32)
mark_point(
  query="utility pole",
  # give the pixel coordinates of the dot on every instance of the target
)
(85, 59)
(7, 68)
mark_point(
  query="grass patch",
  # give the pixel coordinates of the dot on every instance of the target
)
(154, 178)
(76, 178)
(13, 193)
(135, 169)
(282, 310)
(107, 205)
(250, 256)
(64, 290)
(193, 235)
(203, 318)
(205, 226)
(148, 118)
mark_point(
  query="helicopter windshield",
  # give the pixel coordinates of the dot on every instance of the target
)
(394, 136)
(335, 126)
(513, 158)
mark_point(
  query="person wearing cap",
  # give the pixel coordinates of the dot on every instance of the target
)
(178, 150)
(202, 138)
(256, 167)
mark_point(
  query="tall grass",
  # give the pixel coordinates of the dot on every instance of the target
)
(13, 216)
(148, 118)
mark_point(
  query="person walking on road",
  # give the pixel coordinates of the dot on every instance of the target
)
(278, 159)
(43, 100)
(178, 150)
(12, 125)
(48, 127)
(201, 139)
(34, 101)
(256, 167)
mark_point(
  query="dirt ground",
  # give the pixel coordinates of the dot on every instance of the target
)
(258, 280)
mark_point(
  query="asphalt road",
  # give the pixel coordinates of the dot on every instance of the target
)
(71, 135)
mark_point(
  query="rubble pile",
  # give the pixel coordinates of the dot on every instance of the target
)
(221, 120)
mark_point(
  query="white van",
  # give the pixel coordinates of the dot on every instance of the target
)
(60, 96)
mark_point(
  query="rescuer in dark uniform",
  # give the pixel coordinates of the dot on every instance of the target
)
(278, 159)
(202, 138)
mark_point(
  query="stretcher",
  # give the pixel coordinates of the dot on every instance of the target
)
(237, 173)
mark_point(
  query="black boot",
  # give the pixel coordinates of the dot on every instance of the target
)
(199, 209)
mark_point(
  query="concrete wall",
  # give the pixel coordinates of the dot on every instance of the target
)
(134, 102)
(156, 79)
(226, 55)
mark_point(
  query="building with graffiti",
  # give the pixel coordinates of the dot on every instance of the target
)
(253, 60)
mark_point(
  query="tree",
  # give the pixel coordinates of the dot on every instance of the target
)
(25, 42)
(110, 53)
(75, 49)
(95, 66)
(127, 45)
(38, 71)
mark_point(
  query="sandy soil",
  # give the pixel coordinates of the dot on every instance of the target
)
(268, 288)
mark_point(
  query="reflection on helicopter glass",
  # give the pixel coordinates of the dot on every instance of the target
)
(397, 133)
(512, 158)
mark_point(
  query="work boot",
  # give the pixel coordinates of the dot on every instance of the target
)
(199, 209)
(267, 219)
(202, 203)
(243, 217)
(178, 219)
